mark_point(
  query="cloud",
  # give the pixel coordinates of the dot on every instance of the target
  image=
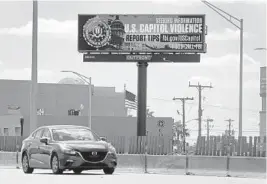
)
(60, 29)
(228, 60)
(201, 79)
(252, 84)
(226, 35)
(180, 2)
(25, 74)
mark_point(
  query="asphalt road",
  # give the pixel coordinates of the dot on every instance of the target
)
(16, 176)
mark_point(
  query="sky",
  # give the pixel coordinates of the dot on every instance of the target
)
(57, 51)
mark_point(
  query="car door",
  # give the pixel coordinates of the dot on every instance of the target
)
(34, 151)
(46, 149)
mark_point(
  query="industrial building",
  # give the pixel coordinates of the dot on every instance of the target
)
(67, 103)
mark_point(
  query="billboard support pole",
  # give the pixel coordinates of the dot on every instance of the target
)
(141, 96)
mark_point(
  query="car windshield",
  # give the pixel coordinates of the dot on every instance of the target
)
(73, 134)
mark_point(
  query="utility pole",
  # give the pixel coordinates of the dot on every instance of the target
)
(199, 88)
(183, 101)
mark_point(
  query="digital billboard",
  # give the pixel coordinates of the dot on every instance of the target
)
(141, 33)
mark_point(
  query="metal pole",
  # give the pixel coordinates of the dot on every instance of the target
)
(90, 104)
(183, 125)
(241, 78)
(34, 75)
(199, 111)
(141, 95)
(208, 129)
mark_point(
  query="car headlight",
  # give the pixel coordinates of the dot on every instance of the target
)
(68, 150)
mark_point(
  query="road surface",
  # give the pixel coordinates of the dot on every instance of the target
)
(16, 176)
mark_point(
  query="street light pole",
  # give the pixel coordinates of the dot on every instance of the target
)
(83, 78)
(241, 81)
(34, 72)
(230, 19)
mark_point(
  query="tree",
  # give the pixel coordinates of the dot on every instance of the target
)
(149, 113)
(178, 130)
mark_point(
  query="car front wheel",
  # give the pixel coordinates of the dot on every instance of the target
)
(55, 165)
(77, 171)
(109, 170)
(25, 164)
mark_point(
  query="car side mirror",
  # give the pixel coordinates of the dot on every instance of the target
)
(44, 140)
(103, 139)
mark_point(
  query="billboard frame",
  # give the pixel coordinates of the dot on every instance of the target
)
(204, 33)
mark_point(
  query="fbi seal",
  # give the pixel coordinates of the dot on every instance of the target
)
(96, 32)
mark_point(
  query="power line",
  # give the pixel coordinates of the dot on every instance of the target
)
(218, 106)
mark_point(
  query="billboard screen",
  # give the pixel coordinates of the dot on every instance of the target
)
(141, 33)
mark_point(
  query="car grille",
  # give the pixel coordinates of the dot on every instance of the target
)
(88, 156)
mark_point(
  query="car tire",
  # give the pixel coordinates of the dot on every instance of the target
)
(77, 171)
(109, 171)
(25, 164)
(55, 165)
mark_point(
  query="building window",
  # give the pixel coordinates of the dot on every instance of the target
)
(17, 131)
(6, 132)
(40, 112)
(74, 112)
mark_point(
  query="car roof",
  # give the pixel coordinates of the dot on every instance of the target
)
(62, 126)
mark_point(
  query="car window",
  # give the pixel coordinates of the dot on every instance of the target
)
(46, 134)
(73, 134)
(33, 135)
(38, 134)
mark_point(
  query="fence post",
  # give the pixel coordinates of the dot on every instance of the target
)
(146, 154)
(259, 147)
(255, 147)
(264, 147)
(228, 162)
(186, 164)
(4, 143)
(17, 155)
(250, 146)
(214, 146)
(239, 146)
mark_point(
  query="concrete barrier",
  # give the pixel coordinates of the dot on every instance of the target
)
(174, 162)
(248, 164)
(207, 163)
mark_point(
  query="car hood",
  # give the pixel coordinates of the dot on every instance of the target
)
(85, 146)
